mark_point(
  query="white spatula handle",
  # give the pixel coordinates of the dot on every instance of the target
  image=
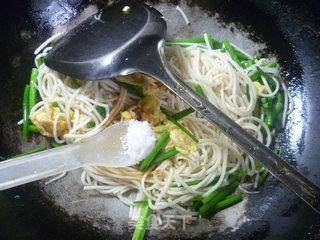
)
(17, 171)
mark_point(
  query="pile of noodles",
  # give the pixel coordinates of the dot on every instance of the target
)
(166, 186)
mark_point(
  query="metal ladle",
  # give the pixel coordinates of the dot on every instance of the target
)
(129, 37)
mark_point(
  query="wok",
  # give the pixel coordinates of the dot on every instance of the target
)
(61, 210)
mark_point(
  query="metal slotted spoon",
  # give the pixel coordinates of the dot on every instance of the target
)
(128, 37)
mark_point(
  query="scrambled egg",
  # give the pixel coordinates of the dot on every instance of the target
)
(45, 123)
(149, 108)
(183, 143)
(128, 115)
(259, 87)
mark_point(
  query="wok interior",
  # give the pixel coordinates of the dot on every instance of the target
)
(275, 209)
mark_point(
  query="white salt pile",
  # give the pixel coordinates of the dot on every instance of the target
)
(138, 141)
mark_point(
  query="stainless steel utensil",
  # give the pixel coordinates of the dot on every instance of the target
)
(128, 37)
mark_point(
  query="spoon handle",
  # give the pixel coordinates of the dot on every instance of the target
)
(295, 181)
(18, 171)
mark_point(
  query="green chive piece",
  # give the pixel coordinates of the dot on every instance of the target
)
(200, 91)
(210, 197)
(263, 177)
(25, 106)
(101, 111)
(268, 78)
(179, 125)
(39, 62)
(217, 196)
(183, 113)
(241, 56)
(247, 63)
(33, 93)
(76, 83)
(214, 43)
(90, 124)
(255, 76)
(196, 181)
(161, 142)
(186, 40)
(141, 228)
(166, 154)
(247, 92)
(31, 151)
(33, 128)
(139, 202)
(258, 165)
(55, 145)
(272, 64)
(131, 88)
(229, 48)
(55, 104)
(228, 202)
(269, 119)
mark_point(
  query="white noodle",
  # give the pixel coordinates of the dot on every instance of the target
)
(48, 41)
(167, 186)
(184, 16)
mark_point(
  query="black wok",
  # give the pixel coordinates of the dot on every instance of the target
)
(291, 32)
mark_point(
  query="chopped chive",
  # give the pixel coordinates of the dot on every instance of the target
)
(33, 93)
(200, 91)
(228, 202)
(255, 76)
(210, 197)
(196, 181)
(90, 124)
(266, 102)
(131, 88)
(241, 56)
(256, 58)
(229, 48)
(238, 174)
(214, 43)
(263, 177)
(258, 165)
(139, 202)
(272, 64)
(183, 113)
(278, 122)
(195, 204)
(31, 151)
(179, 125)
(193, 182)
(76, 83)
(279, 102)
(269, 120)
(161, 142)
(39, 61)
(257, 109)
(33, 128)
(217, 196)
(276, 150)
(268, 78)
(247, 92)
(25, 127)
(141, 228)
(55, 145)
(186, 40)
(101, 111)
(54, 104)
(247, 63)
(168, 153)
